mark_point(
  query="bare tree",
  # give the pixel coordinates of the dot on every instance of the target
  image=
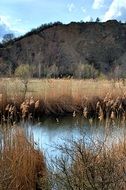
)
(8, 37)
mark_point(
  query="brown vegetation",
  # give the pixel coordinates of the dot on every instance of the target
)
(22, 166)
(95, 166)
(93, 99)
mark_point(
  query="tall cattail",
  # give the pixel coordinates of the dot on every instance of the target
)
(97, 105)
(74, 114)
(31, 101)
(112, 116)
(37, 104)
(101, 114)
(85, 112)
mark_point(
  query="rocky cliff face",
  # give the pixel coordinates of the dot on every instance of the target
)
(102, 45)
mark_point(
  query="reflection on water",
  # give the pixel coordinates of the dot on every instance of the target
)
(52, 131)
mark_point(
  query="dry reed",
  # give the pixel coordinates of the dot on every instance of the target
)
(22, 167)
(94, 99)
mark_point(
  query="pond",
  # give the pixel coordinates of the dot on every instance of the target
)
(51, 132)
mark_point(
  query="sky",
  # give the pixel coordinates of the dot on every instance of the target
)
(23, 15)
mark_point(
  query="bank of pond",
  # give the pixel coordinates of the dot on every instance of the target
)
(96, 107)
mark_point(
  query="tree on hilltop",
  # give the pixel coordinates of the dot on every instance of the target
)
(8, 37)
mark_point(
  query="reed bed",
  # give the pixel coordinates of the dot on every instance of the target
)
(22, 166)
(92, 98)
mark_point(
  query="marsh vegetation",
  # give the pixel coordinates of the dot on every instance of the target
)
(22, 165)
(81, 164)
(96, 99)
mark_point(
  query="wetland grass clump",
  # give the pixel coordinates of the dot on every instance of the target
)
(22, 166)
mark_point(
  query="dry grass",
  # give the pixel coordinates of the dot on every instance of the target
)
(22, 167)
(61, 96)
(53, 88)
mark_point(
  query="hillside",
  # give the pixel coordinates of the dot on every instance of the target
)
(61, 48)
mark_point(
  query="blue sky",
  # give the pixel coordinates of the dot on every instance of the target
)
(23, 15)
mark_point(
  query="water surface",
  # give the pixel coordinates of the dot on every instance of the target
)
(51, 132)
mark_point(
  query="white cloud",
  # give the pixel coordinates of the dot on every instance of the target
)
(71, 7)
(115, 9)
(83, 9)
(97, 4)
(20, 31)
(5, 20)
(12, 24)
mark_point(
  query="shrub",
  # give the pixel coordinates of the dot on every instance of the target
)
(90, 166)
(23, 71)
(86, 71)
